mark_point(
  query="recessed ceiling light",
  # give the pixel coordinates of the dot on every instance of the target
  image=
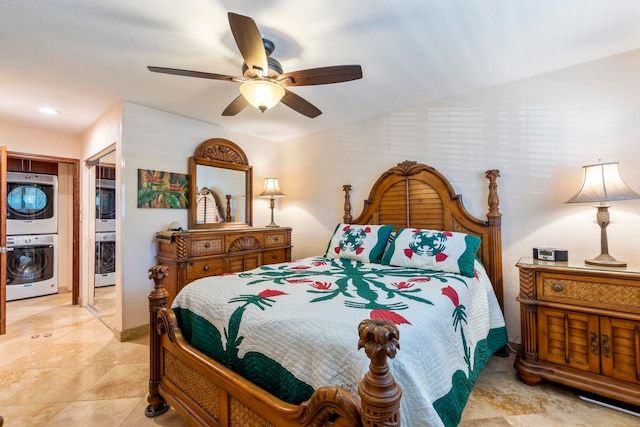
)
(49, 111)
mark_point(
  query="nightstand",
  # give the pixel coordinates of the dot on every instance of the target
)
(580, 327)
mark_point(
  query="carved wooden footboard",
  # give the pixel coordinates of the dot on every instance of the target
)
(208, 394)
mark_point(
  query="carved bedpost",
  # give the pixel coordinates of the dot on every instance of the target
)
(157, 301)
(228, 217)
(347, 204)
(379, 393)
(494, 218)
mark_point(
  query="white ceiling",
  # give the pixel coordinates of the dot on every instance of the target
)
(83, 56)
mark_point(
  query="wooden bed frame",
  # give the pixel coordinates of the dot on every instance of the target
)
(209, 394)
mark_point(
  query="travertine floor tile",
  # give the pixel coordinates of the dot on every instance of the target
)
(60, 366)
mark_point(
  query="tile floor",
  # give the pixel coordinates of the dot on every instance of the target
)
(60, 366)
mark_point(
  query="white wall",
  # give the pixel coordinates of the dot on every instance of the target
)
(538, 132)
(156, 140)
(103, 134)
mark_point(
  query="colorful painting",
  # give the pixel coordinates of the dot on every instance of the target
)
(162, 189)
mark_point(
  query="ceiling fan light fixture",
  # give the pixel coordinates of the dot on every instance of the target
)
(262, 94)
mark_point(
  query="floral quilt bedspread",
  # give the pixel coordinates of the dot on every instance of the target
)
(291, 328)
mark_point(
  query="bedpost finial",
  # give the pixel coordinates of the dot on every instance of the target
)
(347, 204)
(158, 274)
(379, 393)
(379, 336)
(493, 200)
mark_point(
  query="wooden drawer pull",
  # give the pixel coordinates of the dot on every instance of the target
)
(207, 245)
(557, 287)
(594, 343)
(606, 348)
(274, 256)
(205, 268)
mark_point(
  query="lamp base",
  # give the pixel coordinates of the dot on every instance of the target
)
(273, 224)
(605, 260)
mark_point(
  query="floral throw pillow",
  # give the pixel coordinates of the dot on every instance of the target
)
(445, 251)
(364, 243)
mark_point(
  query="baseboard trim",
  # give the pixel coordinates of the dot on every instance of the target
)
(132, 333)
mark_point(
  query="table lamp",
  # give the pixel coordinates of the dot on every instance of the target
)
(271, 191)
(602, 183)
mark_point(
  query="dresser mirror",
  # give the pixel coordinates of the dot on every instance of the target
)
(219, 186)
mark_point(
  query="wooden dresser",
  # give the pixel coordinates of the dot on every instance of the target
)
(581, 327)
(191, 255)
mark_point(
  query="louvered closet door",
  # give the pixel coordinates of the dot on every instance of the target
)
(620, 349)
(569, 338)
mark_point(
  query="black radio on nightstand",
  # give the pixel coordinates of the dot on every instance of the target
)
(551, 254)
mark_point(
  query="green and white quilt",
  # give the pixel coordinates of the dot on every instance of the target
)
(291, 328)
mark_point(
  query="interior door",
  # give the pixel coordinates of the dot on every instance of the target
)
(3, 239)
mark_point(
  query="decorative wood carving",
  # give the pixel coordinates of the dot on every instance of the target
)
(493, 199)
(157, 301)
(221, 149)
(527, 284)
(245, 243)
(379, 393)
(347, 204)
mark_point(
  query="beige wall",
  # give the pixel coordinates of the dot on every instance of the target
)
(539, 132)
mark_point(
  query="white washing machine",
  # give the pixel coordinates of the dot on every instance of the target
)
(32, 266)
(105, 271)
(105, 205)
(32, 203)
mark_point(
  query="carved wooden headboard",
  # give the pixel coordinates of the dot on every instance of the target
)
(415, 195)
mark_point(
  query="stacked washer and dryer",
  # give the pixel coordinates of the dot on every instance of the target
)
(32, 235)
(105, 263)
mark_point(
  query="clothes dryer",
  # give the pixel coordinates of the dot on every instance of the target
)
(32, 203)
(105, 205)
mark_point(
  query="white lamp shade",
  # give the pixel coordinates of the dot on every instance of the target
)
(271, 188)
(602, 183)
(262, 94)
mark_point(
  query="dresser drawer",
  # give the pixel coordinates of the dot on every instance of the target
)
(206, 246)
(274, 256)
(614, 294)
(198, 269)
(236, 264)
(274, 239)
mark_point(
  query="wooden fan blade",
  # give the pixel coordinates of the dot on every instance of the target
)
(300, 104)
(321, 76)
(190, 73)
(236, 106)
(249, 41)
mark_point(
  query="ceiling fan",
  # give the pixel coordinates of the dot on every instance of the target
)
(263, 80)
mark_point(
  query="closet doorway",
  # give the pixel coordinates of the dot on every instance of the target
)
(68, 242)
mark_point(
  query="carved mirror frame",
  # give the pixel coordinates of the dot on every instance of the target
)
(222, 154)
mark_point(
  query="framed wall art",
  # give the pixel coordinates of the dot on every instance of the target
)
(163, 190)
